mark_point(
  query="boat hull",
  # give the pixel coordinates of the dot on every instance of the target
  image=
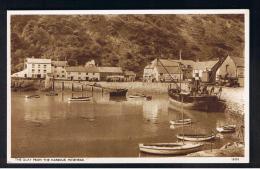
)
(177, 149)
(195, 138)
(79, 99)
(121, 92)
(195, 105)
(181, 122)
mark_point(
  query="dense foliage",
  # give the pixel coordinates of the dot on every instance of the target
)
(130, 41)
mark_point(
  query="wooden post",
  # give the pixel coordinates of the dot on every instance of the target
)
(92, 90)
(62, 86)
(53, 85)
(102, 90)
(81, 87)
(72, 86)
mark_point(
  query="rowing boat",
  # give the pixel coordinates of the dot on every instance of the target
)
(32, 96)
(226, 129)
(180, 122)
(170, 148)
(79, 99)
(195, 137)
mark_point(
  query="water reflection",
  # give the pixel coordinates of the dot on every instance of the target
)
(101, 127)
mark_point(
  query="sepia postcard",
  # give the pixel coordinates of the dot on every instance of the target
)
(128, 86)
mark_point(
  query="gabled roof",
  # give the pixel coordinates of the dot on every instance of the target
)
(82, 69)
(164, 62)
(205, 65)
(185, 62)
(239, 61)
(59, 63)
(110, 70)
(166, 70)
(38, 60)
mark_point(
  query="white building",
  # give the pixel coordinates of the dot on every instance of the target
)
(83, 73)
(162, 70)
(34, 68)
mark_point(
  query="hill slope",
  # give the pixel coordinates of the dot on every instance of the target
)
(130, 41)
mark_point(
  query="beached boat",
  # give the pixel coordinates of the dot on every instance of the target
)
(79, 99)
(226, 129)
(32, 96)
(118, 92)
(180, 122)
(170, 148)
(195, 137)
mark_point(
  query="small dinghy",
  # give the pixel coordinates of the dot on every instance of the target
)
(32, 96)
(181, 122)
(226, 129)
(170, 148)
(195, 137)
(79, 99)
(137, 96)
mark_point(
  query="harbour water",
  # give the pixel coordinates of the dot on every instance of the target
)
(49, 126)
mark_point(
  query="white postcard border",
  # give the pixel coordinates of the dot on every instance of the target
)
(77, 160)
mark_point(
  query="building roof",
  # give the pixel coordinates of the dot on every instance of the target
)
(166, 70)
(59, 63)
(38, 60)
(205, 64)
(186, 62)
(110, 70)
(82, 69)
(239, 61)
(129, 73)
(164, 62)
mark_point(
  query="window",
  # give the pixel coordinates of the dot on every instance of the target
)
(79, 73)
(32, 70)
(62, 71)
(58, 76)
(33, 65)
(79, 78)
(39, 70)
(44, 66)
(44, 71)
(63, 76)
(39, 65)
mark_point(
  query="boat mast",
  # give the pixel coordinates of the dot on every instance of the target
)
(182, 119)
(180, 69)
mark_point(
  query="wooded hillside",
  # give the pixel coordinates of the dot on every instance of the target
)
(130, 41)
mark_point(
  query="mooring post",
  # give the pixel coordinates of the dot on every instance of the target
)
(102, 90)
(82, 87)
(92, 90)
(72, 86)
(62, 86)
(53, 84)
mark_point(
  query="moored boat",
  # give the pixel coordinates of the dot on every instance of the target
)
(137, 96)
(118, 92)
(52, 93)
(170, 148)
(226, 129)
(198, 102)
(196, 137)
(180, 122)
(79, 99)
(32, 96)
